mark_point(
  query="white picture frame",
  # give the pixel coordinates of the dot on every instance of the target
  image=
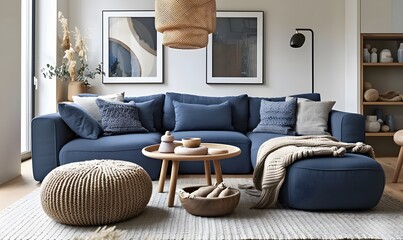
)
(236, 49)
(132, 50)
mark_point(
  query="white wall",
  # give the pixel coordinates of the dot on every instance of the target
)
(381, 16)
(352, 55)
(287, 70)
(10, 97)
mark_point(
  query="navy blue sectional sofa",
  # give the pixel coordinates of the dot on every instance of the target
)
(54, 144)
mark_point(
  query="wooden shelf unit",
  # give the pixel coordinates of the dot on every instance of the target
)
(391, 64)
(383, 77)
(380, 134)
(382, 103)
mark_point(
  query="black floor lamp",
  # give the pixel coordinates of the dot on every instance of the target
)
(297, 40)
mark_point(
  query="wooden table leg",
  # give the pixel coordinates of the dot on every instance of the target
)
(163, 175)
(207, 171)
(399, 164)
(172, 184)
(218, 172)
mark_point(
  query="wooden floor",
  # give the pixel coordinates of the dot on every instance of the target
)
(24, 184)
(20, 186)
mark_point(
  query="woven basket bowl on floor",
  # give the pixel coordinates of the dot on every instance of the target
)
(95, 192)
(210, 207)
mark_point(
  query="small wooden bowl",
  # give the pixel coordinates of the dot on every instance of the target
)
(191, 142)
(210, 207)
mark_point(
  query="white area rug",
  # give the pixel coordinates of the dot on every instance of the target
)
(26, 220)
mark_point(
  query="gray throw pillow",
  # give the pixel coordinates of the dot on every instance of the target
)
(312, 117)
(277, 117)
(119, 117)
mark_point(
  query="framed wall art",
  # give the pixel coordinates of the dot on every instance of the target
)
(235, 49)
(132, 50)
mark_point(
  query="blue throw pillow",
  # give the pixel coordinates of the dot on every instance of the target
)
(80, 121)
(146, 110)
(119, 118)
(202, 117)
(278, 117)
(239, 108)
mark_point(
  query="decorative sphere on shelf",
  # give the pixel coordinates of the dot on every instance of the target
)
(367, 85)
(385, 128)
(371, 124)
(371, 95)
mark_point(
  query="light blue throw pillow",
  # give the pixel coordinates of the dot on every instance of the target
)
(190, 117)
(119, 117)
(278, 117)
(80, 121)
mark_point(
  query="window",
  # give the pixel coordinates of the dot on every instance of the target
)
(26, 75)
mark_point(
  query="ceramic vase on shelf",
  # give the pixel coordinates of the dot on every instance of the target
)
(372, 124)
(75, 88)
(400, 53)
(367, 55)
(374, 55)
(390, 121)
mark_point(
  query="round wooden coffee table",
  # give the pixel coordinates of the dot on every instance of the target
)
(152, 152)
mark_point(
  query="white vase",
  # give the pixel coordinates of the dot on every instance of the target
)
(367, 55)
(374, 57)
(372, 124)
(400, 53)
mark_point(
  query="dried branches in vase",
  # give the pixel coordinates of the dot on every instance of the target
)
(74, 66)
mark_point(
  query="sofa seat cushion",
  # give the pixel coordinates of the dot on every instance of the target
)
(238, 164)
(257, 139)
(121, 147)
(333, 183)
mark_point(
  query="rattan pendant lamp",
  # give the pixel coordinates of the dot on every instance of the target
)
(185, 24)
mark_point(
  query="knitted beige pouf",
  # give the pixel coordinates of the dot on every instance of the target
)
(95, 192)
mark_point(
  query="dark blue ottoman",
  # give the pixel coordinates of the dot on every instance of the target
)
(351, 182)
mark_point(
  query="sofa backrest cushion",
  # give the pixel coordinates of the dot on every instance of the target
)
(193, 117)
(146, 114)
(158, 106)
(254, 106)
(239, 108)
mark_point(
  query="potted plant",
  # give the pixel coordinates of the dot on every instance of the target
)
(74, 67)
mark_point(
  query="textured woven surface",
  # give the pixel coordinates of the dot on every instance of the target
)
(119, 118)
(26, 220)
(277, 117)
(95, 192)
(185, 24)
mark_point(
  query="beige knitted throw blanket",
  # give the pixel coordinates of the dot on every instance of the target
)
(276, 154)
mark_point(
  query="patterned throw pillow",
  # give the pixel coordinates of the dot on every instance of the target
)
(119, 117)
(277, 117)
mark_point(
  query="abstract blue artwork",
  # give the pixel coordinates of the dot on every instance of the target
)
(132, 48)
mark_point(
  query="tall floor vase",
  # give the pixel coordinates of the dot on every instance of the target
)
(75, 88)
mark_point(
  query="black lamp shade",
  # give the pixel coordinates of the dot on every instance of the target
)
(297, 40)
